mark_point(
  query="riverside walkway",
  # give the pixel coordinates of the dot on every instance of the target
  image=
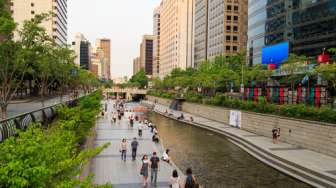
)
(108, 166)
(311, 167)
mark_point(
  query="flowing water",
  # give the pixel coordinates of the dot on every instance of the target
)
(216, 162)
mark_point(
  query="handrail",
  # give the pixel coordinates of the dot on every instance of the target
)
(22, 121)
(40, 109)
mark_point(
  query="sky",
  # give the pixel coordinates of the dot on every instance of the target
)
(123, 21)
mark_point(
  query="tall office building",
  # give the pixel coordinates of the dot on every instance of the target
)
(56, 27)
(82, 47)
(227, 27)
(256, 30)
(156, 42)
(105, 45)
(220, 28)
(308, 25)
(97, 62)
(146, 54)
(136, 65)
(201, 31)
(176, 35)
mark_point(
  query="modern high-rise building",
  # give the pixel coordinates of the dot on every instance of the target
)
(176, 35)
(256, 30)
(97, 62)
(156, 42)
(201, 31)
(136, 65)
(146, 54)
(81, 47)
(105, 45)
(56, 27)
(220, 28)
(227, 27)
(308, 25)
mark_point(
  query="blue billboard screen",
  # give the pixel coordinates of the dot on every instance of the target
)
(275, 54)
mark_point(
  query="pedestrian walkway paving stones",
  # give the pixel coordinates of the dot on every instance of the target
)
(108, 166)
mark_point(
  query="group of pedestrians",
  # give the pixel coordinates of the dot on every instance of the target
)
(150, 164)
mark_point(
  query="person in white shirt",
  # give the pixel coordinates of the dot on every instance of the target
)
(175, 180)
(165, 156)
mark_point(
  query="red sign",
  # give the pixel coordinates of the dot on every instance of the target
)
(323, 58)
(272, 66)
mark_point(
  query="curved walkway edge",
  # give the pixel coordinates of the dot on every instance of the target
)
(308, 166)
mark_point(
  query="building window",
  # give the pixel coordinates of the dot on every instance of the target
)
(229, 7)
(32, 4)
(32, 12)
(234, 38)
(235, 8)
(12, 4)
(227, 48)
(228, 28)
(228, 17)
(228, 38)
(234, 48)
(235, 28)
(235, 18)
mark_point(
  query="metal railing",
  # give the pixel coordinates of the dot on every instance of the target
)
(44, 115)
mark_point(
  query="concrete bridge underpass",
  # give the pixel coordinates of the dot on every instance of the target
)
(130, 94)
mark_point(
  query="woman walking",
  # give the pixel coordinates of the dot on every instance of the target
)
(174, 180)
(190, 181)
(123, 149)
(144, 169)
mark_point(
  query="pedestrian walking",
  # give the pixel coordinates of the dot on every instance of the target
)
(274, 135)
(134, 146)
(174, 181)
(190, 180)
(131, 121)
(278, 134)
(140, 129)
(154, 168)
(114, 118)
(144, 169)
(123, 149)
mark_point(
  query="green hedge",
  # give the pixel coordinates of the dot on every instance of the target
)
(52, 157)
(300, 111)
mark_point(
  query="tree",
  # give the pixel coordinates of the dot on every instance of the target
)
(332, 50)
(257, 73)
(12, 65)
(328, 72)
(140, 79)
(292, 67)
(66, 58)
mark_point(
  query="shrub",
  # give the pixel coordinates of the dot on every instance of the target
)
(263, 106)
(51, 158)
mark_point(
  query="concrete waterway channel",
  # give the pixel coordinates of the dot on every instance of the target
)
(216, 162)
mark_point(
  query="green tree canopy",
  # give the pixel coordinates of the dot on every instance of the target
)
(140, 79)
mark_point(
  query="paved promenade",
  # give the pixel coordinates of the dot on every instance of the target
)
(108, 166)
(309, 166)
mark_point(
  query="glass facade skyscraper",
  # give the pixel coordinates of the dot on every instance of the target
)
(256, 30)
(308, 25)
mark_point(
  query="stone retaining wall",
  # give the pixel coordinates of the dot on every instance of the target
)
(316, 136)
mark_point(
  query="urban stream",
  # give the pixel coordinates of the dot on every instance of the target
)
(216, 162)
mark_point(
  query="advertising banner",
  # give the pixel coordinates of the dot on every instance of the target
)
(235, 118)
